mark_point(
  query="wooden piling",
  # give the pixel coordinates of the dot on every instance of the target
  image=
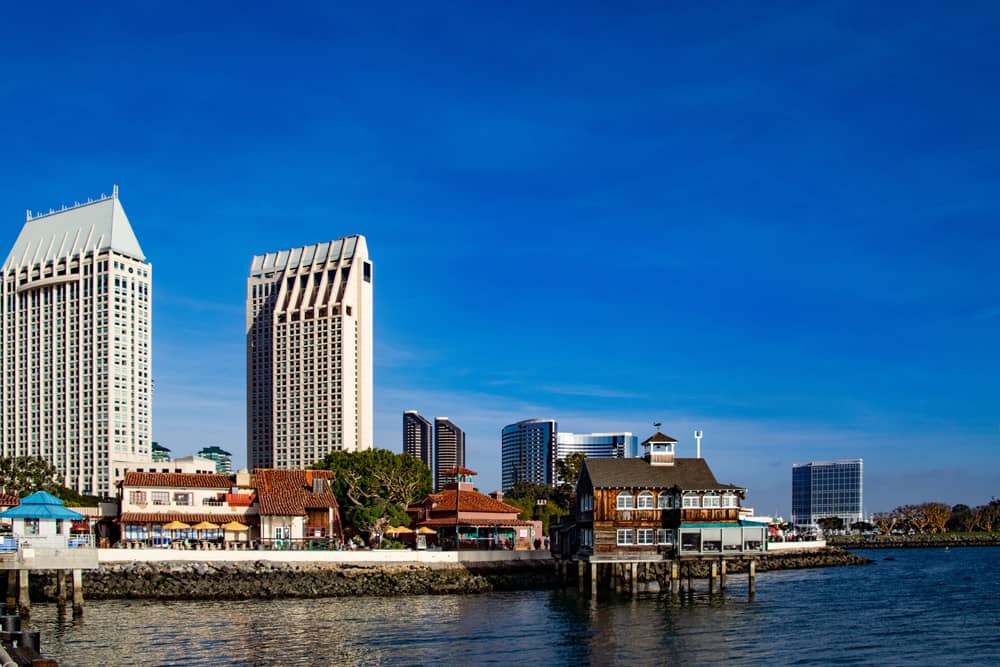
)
(23, 599)
(78, 592)
(690, 573)
(675, 576)
(593, 580)
(12, 589)
(581, 575)
(752, 578)
(712, 574)
(635, 578)
(722, 574)
(61, 588)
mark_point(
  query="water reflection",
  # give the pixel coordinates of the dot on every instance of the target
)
(892, 613)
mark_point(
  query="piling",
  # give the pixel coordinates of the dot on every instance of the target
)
(23, 599)
(675, 577)
(593, 580)
(722, 574)
(12, 588)
(712, 575)
(78, 592)
(635, 578)
(752, 576)
(581, 574)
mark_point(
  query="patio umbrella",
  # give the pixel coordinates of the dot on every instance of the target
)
(235, 526)
(205, 525)
(176, 525)
(424, 530)
(398, 530)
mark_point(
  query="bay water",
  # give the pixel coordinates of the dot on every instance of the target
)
(911, 607)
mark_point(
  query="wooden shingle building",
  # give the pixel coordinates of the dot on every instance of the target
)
(656, 508)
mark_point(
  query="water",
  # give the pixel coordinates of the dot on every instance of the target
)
(926, 607)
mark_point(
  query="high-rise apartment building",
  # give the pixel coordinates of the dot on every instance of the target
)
(159, 453)
(418, 437)
(528, 452)
(827, 489)
(309, 353)
(76, 332)
(449, 451)
(223, 460)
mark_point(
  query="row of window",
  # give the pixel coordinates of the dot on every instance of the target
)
(646, 500)
(645, 537)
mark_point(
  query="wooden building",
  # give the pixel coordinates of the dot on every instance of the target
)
(655, 508)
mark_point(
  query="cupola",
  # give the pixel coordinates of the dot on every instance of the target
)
(658, 449)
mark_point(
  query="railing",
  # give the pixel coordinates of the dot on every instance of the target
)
(12, 543)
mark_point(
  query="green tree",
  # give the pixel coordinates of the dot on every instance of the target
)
(22, 475)
(568, 472)
(862, 526)
(537, 502)
(830, 523)
(373, 487)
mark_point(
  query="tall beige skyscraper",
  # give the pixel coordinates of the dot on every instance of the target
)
(309, 353)
(75, 331)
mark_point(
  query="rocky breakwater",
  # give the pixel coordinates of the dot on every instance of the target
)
(267, 579)
(825, 557)
(914, 541)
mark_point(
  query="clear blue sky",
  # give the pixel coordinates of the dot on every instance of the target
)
(779, 226)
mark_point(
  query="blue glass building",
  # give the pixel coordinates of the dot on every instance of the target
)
(528, 452)
(827, 489)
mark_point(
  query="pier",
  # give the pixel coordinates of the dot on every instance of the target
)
(67, 562)
(625, 575)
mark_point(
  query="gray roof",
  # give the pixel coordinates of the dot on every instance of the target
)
(658, 438)
(91, 227)
(319, 253)
(635, 473)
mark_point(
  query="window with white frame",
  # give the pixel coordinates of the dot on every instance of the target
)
(645, 501)
(665, 501)
(692, 500)
(137, 497)
(729, 500)
(644, 536)
(664, 536)
(710, 500)
(626, 501)
(625, 537)
(183, 499)
(161, 497)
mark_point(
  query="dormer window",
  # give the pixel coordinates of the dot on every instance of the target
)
(645, 501)
(626, 501)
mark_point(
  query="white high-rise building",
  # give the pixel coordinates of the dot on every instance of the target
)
(75, 368)
(309, 353)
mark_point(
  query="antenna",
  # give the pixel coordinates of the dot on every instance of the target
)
(697, 437)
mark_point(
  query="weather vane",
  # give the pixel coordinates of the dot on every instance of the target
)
(657, 425)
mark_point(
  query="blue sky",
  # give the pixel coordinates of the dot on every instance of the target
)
(779, 226)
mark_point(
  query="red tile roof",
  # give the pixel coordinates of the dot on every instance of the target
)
(468, 501)
(7, 500)
(289, 492)
(474, 522)
(193, 518)
(179, 480)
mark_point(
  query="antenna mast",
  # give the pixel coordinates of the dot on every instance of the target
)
(697, 437)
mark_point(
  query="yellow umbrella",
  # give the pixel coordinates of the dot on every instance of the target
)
(176, 525)
(235, 526)
(424, 530)
(398, 530)
(205, 525)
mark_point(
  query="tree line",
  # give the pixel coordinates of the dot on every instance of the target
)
(939, 518)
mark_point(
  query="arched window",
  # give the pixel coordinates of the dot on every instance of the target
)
(692, 500)
(665, 501)
(645, 501)
(729, 500)
(626, 501)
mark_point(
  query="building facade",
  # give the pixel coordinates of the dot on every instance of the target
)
(826, 489)
(75, 328)
(449, 451)
(659, 507)
(528, 452)
(223, 460)
(160, 453)
(418, 437)
(309, 353)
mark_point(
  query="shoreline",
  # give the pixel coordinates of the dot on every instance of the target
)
(931, 541)
(263, 579)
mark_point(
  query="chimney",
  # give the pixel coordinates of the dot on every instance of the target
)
(243, 479)
(497, 495)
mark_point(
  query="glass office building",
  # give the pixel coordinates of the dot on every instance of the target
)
(598, 445)
(827, 489)
(528, 452)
